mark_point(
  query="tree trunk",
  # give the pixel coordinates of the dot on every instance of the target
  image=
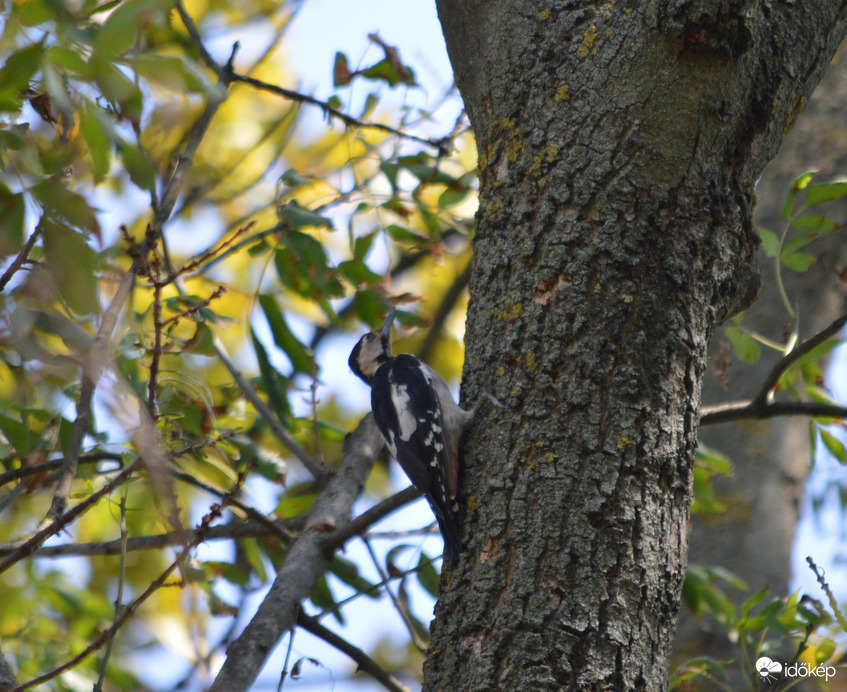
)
(617, 152)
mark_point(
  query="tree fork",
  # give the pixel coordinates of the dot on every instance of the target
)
(617, 149)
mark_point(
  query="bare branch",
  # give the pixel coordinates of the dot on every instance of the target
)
(751, 410)
(363, 661)
(304, 563)
(762, 405)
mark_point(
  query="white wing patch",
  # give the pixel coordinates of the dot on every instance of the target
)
(406, 421)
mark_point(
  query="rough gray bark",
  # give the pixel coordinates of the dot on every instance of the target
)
(617, 147)
(753, 539)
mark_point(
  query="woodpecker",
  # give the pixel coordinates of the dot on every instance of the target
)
(420, 422)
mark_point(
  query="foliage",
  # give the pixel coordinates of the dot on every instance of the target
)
(798, 632)
(161, 210)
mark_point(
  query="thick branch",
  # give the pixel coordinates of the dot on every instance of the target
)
(304, 564)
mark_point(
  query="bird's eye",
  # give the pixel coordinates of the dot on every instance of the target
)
(370, 337)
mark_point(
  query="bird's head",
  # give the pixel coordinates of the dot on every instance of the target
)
(372, 350)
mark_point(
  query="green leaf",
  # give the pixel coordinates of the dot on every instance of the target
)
(816, 223)
(16, 433)
(362, 245)
(745, 346)
(834, 445)
(358, 273)
(802, 181)
(293, 178)
(370, 104)
(369, 305)
(202, 343)
(117, 34)
(386, 71)
(322, 597)
(799, 241)
(301, 358)
(275, 384)
(825, 192)
(302, 266)
(226, 570)
(712, 460)
(427, 576)
(753, 601)
(297, 500)
(348, 572)
(68, 60)
(119, 90)
(64, 206)
(797, 261)
(300, 217)
(788, 205)
(404, 235)
(72, 264)
(452, 196)
(97, 139)
(16, 75)
(770, 241)
(137, 165)
(172, 73)
(12, 208)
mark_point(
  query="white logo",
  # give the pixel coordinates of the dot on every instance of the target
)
(771, 670)
(768, 669)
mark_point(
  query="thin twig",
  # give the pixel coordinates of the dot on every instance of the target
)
(30, 545)
(17, 263)
(284, 673)
(195, 37)
(91, 370)
(231, 531)
(800, 350)
(399, 607)
(394, 577)
(442, 143)
(313, 466)
(363, 661)
(120, 596)
(44, 467)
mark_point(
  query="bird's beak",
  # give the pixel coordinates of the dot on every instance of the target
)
(385, 329)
